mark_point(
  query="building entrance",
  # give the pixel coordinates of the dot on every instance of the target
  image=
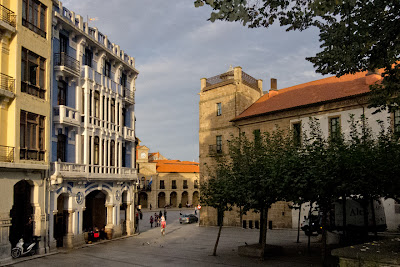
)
(143, 200)
(61, 219)
(185, 199)
(21, 214)
(95, 214)
(195, 198)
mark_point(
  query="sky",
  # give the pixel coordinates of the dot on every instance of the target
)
(174, 46)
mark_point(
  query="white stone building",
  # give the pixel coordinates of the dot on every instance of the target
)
(93, 174)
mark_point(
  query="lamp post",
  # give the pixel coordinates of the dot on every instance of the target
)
(136, 206)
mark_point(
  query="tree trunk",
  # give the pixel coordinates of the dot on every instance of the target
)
(373, 217)
(241, 216)
(365, 208)
(344, 212)
(261, 225)
(323, 249)
(219, 234)
(309, 226)
(298, 225)
(264, 234)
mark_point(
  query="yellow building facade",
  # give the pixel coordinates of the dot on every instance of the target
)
(25, 29)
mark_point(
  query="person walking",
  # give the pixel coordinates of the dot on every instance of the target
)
(156, 219)
(163, 225)
(195, 210)
(151, 221)
(165, 214)
(160, 214)
(140, 214)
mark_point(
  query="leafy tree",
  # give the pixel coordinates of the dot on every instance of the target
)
(355, 35)
(216, 192)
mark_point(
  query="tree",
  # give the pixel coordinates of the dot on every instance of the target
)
(216, 192)
(355, 35)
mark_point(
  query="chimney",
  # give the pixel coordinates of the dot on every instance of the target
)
(274, 88)
(372, 76)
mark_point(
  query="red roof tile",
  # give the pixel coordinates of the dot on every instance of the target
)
(176, 166)
(308, 93)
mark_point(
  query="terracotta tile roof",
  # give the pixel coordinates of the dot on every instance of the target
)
(318, 91)
(176, 166)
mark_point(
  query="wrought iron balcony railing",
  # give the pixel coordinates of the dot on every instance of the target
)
(7, 82)
(62, 59)
(7, 16)
(7, 154)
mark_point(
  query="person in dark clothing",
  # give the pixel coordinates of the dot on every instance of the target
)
(165, 214)
(141, 214)
(151, 221)
(160, 214)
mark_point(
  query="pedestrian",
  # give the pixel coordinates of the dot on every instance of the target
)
(156, 219)
(160, 214)
(165, 214)
(140, 214)
(151, 221)
(163, 225)
(195, 210)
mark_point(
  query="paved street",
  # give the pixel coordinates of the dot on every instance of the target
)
(183, 245)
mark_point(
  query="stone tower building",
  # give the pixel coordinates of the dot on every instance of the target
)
(222, 98)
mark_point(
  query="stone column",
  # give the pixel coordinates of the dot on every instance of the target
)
(179, 198)
(5, 246)
(101, 153)
(109, 229)
(129, 230)
(167, 197)
(69, 237)
(190, 196)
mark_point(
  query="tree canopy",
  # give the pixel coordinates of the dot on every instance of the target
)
(355, 35)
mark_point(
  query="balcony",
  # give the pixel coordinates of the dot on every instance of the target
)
(75, 170)
(7, 19)
(7, 154)
(128, 96)
(7, 86)
(129, 134)
(68, 66)
(66, 115)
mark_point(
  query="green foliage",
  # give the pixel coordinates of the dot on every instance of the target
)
(355, 35)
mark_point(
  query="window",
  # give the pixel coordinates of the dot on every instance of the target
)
(62, 93)
(162, 184)
(96, 150)
(296, 130)
(219, 144)
(173, 184)
(112, 153)
(257, 135)
(123, 79)
(63, 44)
(97, 104)
(219, 109)
(32, 136)
(61, 147)
(397, 122)
(196, 183)
(123, 116)
(334, 127)
(34, 16)
(123, 155)
(113, 110)
(185, 184)
(107, 68)
(88, 57)
(33, 68)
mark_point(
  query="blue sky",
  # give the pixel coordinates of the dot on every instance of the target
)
(174, 46)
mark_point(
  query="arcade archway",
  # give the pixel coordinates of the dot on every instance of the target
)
(185, 199)
(196, 198)
(143, 200)
(173, 199)
(161, 200)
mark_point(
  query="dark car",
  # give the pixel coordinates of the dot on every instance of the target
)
(188, 218)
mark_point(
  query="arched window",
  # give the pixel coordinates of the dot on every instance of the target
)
(112, 153)
(96, 150)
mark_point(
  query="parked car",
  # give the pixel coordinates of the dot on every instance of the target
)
(188, 218)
